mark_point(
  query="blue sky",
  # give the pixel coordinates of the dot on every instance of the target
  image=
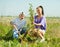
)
(14, 7)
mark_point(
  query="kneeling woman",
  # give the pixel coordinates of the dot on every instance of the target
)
(40, 22)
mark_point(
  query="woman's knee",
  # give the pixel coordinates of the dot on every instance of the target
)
(35, 30)
(42, 32)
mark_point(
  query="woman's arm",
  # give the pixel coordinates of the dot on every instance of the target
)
(37, 24)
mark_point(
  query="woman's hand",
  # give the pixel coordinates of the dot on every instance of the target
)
(36, 24)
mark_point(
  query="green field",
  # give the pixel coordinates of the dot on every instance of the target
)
(52, 36)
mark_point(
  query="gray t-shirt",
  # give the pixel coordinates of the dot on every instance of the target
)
(19, 23)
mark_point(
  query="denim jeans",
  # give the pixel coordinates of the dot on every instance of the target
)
(15, 34)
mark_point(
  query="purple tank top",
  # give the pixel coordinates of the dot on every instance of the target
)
(42, 21)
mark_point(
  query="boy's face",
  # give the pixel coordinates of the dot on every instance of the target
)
(21, 16)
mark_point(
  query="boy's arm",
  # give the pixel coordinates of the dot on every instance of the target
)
(15, 27)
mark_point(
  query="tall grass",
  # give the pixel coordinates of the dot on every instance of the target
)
(52, 36)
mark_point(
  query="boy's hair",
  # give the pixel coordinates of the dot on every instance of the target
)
(21, 14)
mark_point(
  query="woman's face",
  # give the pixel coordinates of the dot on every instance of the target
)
(39, 11)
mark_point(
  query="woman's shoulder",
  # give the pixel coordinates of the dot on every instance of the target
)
(44, 17)
(35, 16)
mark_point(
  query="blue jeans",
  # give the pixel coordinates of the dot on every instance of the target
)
(15, 34)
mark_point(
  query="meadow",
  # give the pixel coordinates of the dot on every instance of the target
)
(52, 35)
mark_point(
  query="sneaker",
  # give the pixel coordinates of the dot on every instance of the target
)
(42, 40)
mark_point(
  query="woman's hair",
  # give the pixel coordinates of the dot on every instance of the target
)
(41, 8)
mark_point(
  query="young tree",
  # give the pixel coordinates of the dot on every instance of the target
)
(30, 24)
(31, 13)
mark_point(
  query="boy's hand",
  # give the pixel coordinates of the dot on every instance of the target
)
(18, 33)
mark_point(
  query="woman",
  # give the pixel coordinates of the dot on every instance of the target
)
(40, 23)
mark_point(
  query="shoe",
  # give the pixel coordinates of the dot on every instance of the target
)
(42, 40)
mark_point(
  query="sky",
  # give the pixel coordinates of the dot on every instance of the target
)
(15, 7)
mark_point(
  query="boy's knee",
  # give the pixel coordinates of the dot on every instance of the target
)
(15, 35)
(23, 31)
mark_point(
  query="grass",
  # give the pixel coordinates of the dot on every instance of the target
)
(52, 36)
